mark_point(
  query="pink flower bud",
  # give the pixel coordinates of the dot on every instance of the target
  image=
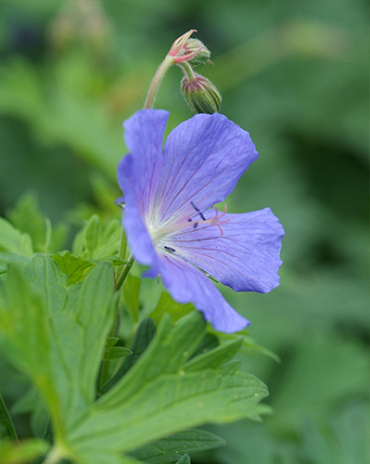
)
(200, 94)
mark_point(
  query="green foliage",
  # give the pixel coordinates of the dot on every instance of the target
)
(295, 78)
(75, 267)
(95, 241)
(57, 332)
(22, 452)
(6, 425)
(168, 449)
(184, 460)
(13, 241)
(208, 395)
(27, 218)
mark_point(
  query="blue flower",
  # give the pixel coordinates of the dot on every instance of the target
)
(170, 220)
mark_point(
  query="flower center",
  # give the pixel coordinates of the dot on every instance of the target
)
(190, 220)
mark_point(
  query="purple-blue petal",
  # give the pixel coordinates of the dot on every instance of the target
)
(138, 237)
(144, 138)
(203, 159)
(187, 284)
(243, 252)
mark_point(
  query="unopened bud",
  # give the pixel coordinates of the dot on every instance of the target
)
(200, 94)
(203, 54)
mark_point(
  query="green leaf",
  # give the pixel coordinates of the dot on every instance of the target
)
(169, 449)
(6, 425)
(111, 341)
(116, 352)
(130, 416)
(167, 305)
(214, 358)
(99, 242)
(76, 268)
(27, 218)
(130, 292)
(22, 452)
(56, 334)
(143, 337)
(92, 235)
(184, 459)
(13, 241)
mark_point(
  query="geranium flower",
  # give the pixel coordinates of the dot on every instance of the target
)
(170, 220)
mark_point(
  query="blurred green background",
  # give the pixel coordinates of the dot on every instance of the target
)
(295, 75)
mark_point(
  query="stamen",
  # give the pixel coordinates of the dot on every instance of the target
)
(198, 211)
(190, 219)
(195, 225)
(172, 250)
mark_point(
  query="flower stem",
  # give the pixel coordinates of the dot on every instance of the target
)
(187, 70)
(125, 270)
(156, 81)
(55, 455)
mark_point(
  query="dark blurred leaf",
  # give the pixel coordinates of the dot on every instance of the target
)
(6, 424)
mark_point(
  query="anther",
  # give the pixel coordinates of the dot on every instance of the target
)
(195, 225)
(195, 207)
(169, 249)
(198, 211)
(190, 219)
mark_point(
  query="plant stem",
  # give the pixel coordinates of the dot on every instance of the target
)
(156, 81)
(55, 455)
(125, 270)
(187, 70)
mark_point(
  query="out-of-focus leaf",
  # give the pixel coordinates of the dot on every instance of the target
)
(168, 449)
(184, 459)
(96, 242)
(13, 241)
(130, 291)
(27, 218)
(333, 369)
(6, 425)
(22, 452)
(116, 352)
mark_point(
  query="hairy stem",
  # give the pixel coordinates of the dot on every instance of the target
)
(156, 81)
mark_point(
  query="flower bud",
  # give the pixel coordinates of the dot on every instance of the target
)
(200, 94)
(203, 54)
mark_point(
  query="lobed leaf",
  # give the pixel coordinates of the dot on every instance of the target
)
(130, 416)
(75, 267)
